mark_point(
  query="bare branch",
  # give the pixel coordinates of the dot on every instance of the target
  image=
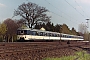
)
(32, 13)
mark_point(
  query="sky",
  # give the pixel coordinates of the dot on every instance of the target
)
(69, 12)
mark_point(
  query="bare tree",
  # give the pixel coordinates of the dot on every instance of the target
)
(83, 31)
(11, 26)
(20, 22)
(82, 28)
(32, 13)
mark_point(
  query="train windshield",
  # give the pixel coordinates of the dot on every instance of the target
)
(23, 32)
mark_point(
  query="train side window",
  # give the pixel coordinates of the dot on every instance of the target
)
(50, 34)
(37, 33)
(65, 36)
(18, 32)
(41, 33)
(47, 34)
(29, 32)
(34, 33)
(69, 36)
(25, 32)
(60, 35)
(73, 36)
(56, 35)
(53, 35)
(22, 31)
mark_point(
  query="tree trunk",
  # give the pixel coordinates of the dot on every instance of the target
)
(12, 38)
(8, 38)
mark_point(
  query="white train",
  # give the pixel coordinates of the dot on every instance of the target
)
(27, 34)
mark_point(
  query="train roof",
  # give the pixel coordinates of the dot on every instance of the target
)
(44, 31)
(24, 28)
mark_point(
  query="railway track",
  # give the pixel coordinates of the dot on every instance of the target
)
(37, 50)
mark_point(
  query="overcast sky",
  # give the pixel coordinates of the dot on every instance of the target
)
(70, 12)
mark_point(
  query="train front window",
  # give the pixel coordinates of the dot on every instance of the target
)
(22, 32)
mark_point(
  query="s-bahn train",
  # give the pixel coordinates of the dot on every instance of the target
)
(28, 34)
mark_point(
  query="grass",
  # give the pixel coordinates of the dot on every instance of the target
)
(82, 55)
(62, 58)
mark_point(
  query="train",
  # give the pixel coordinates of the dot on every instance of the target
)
(28, 34)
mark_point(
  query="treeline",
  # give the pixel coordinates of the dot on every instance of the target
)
(57, 28)
(8, 29)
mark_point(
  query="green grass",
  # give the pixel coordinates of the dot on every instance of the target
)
(83, 55)
(62, 58)
(78, 56)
